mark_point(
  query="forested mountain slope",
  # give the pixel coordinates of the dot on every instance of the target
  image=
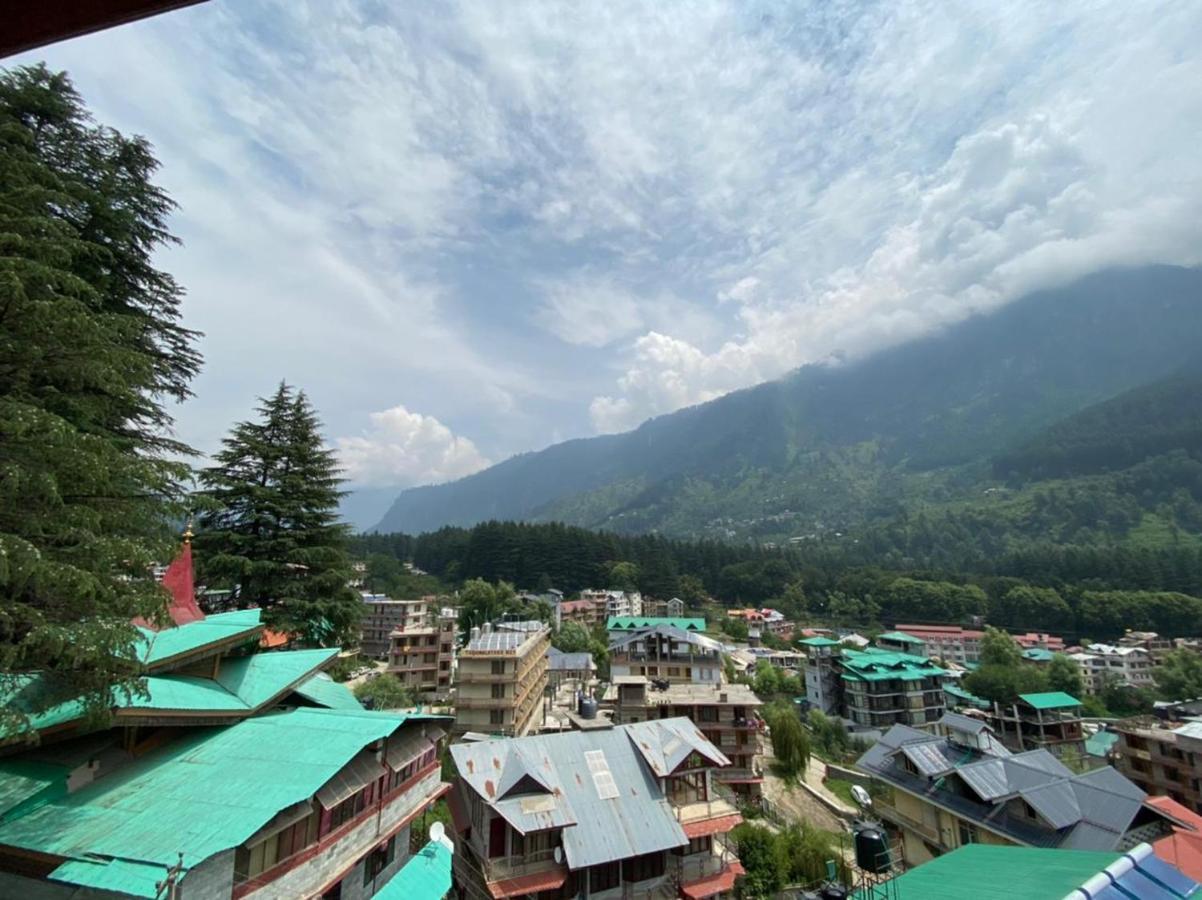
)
(835, 448)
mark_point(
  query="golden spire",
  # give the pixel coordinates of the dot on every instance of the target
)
(188, 532)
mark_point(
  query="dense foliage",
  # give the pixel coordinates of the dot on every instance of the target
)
(271, 532)
(794, 855)
(384, 691)
(91, 352)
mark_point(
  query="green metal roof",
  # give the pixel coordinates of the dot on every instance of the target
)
(995, 872)
(325, 691)
(1049, 700)
(156, 646)
(900, 637)
(427, 876)
(1038, 654)
(880, 665)
(960, 694)
(30, 691)
(25, 784)
(203, 793)
(819, 642)
(1100, 743)
(121, 876)
(629, 623)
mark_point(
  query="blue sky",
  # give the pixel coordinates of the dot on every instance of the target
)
(469, 230)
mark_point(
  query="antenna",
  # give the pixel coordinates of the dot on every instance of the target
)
(558, 854)
(437, 831)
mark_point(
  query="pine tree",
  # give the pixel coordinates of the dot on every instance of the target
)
(273, 534)
(90, 347)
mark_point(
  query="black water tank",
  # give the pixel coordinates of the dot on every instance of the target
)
(588, 708)
(872, 849)
(833, 891)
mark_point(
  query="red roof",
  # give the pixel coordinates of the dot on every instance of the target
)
(719, 825)
(715, 884)
(940, 631)
(1182, 848)
(529, 884)
(271, 639)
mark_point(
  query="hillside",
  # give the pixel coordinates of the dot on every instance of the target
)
(832, 448)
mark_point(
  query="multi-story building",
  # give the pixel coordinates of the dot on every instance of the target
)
(823, 674)
(630, 811)
(668, 609)
(422, 655)
(616, 603)
(500, 680)
(726, 714)
(963, 786)
(882, 688)
(1040, 639)
(620, 626)
(950, 643)
(1132, 666)
(1156, 646)
(1162, 757)
(562, 667)
(589, 613)
(900, 642)
(1050, 720)
(667, 653)
(382, 616)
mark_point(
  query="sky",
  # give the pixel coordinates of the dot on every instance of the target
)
(470, 230)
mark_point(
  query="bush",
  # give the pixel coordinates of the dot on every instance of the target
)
(384, 692)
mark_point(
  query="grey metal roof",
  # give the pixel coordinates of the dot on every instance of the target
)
(496, 640)
(668, 631)
(928, 757)
(987, 777)
(558, 661)
(957, 722)
(599, 786)
(1056, 802)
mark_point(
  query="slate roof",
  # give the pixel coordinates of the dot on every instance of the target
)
(601, 787)
(1088, 812)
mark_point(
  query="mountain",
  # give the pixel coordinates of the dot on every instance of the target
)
(834, 447)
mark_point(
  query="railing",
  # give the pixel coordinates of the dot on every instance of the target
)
(501, 867)
(700, 810)
(893, 814)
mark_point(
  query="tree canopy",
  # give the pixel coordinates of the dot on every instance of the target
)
(91, 351)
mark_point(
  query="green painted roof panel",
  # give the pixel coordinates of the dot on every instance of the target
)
(26, 783)
(900, 637)
(119, 875)
(881, 665)
(1049, 700)
(1100, 743)
(257, 678)
(427, 876)
(629, 623)
(203, 793)
(960, 694)
(157, 646)
(325, 691)
(993, 872)
(819, 642)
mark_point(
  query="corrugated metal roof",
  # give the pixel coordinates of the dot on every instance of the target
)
(157, 646)
(1056, 802)
(558, 661)
(928, 758)
(357, 774)
(671, 632)
(427, 876)
(119, 875)
(203, 793)
(24, 783)
(957, 722)
(598, 827)
(1049, 700)
(325, 691)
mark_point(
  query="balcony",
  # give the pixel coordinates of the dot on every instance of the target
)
(484, 702)
(894, 815)
(701, 810)
(503, 867)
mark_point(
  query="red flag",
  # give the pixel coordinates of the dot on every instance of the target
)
(178, 580)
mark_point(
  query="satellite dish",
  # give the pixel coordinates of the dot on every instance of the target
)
(437, 830)
(861, 796)
(559, 854)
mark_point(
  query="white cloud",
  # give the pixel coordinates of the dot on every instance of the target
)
(589, 311)
(403, 448)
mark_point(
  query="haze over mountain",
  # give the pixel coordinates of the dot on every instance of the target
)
(833, 446)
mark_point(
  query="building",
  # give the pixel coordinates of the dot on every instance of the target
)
(900, 642)
(588, 613)
(422, 655)
(382, 616)
(992, 872)
(563, 667)
(963, 786)
(823, 674)
(1128, 665)
(1162, 757)
(1050, 720)
(500, 680)
(616, 603)
(882, 688)
(1041, 640)
(726, 714)
(629, 811)
(1183, 848)
(949, 643)
(618, 626)
(788, 661)
(665, 652)
(1156, 646)
(666, 609)
(309, 802)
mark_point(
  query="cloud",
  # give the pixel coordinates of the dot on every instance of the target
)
(403, 448)
(589, 311)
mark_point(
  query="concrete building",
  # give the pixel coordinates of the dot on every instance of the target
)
(1156, 646)
(668, 609)
(882, 688)
(620, 626)
(563, 667)
(230, 813)
(1162, 757)
(962, 786)
(1132, 666)
(900, 642)
(616, 603)
(588, 613)
(500, 680)
(726, 714)
(950, 643)
(1041, 640)
(625, 812)
(422, 655)
(1050, 720)
(668, 653)
(823, 674)
(382, 616)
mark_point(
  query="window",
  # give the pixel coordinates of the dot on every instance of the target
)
(348, 809)
(968, 833)
(498, 667)
(673, 671)
(498, 691)
(496, 717)
(378, 860)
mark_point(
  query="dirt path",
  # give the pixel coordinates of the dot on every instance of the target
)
(795, 804)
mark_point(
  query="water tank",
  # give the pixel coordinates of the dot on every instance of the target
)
(588, 708)
(872, 849)
(833, 891)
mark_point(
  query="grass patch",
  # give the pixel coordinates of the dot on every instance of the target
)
(841, 789)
